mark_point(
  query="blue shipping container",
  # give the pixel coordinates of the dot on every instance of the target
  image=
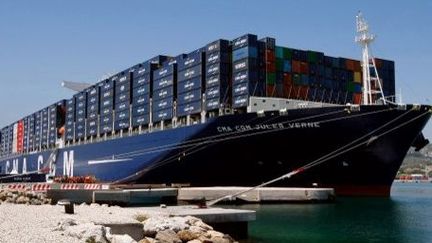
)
(163, 104)
(188, 109)
(188, 97)
(217, 68)
(245, 52)
(189, 73)
(162, 115)
(163, 82)
(190, 84)
(141, 120)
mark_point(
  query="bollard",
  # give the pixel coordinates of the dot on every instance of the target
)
(69, 206)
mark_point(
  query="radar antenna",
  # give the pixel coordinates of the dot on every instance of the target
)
(370, 80)
(75, 86)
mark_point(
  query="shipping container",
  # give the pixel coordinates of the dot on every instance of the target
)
(163, 104)
(163, 93)
(193, 59)
(245, 40)
(141, 90)
(122, 115)
(162, 115)
(191, 72)
(140, 120)
(141, 100)
(217, 68)
(218, 46)
(189, 108)
(141, 80)
(190, 96)
(164, 71)
(162, 83)
(140, 110)
(190, 84)
(218, 57)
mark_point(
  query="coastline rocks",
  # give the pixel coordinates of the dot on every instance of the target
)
(23, 197)
(159, 223)
(167, 236)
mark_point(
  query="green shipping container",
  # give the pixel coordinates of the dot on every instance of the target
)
(279, 52)
(279, 64)
(271, 78)
(287, 53)
(351, 87)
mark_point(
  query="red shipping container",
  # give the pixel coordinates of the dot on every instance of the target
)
(357, 66)
(270, 67)
(357, 98)
(304, 68)
(270, 55)
(349, 64)
(287, 78)
(296, 67)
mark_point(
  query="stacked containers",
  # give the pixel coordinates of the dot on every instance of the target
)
(45, 128)
(142, 77)
(3, 139)
(351, 78)
(70, 120)
(31, 132)
(38, 130)
(163, 93)
(273, 84)
(80, 115)
(300, 70)
(26, 134)
(315, 75)
(10, 141)
(92, 111)
(107, 105)
(20, 136)
(56, 120)
(217, 72)
(190, 79)
(245, 73)
(122, 100)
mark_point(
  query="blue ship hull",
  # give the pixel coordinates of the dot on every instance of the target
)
(248, 149)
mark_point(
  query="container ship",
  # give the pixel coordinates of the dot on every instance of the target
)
(231, 113)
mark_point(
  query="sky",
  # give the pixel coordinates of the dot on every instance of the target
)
(44, 42)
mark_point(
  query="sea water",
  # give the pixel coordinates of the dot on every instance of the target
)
(404, 217)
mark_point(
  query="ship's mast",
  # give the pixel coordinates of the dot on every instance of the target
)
(364, 38)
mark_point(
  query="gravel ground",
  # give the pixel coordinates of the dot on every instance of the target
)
(26, 223)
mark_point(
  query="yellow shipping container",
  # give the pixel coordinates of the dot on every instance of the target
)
(357, 77)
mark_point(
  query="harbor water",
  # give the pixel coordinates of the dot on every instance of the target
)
(404, 217)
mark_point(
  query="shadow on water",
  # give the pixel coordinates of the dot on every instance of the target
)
(405, 217)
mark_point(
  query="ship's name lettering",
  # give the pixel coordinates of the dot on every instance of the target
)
(291, 125)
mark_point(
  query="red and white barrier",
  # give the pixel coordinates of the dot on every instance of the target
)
(92, 186)
(17, 187)
(70, 187)
(41, 187)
